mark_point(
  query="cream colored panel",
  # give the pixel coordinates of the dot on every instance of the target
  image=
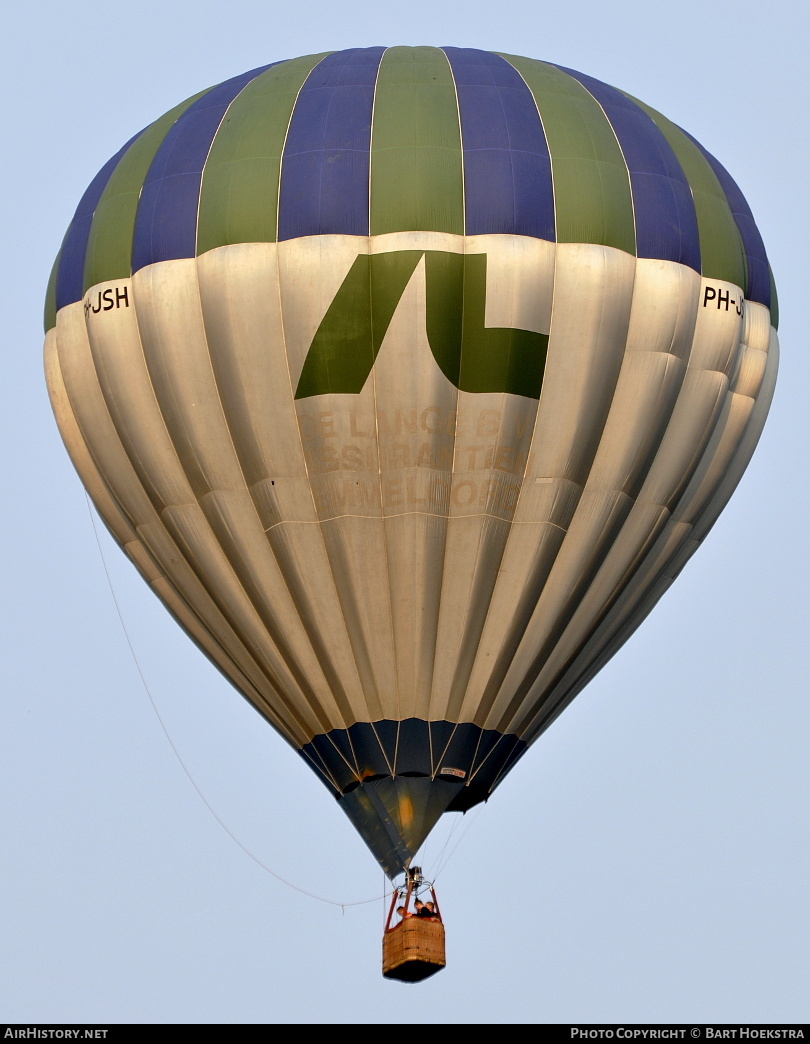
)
(301, 554)
(756, 326)
(357, 556)
(190, 529)
(530, 553)
(246, 338)
(665, 301)
(338, 435)
(646, 393)
(127, 388)
(751, 371)
(415, 408)
(142, 560)
(593, 289)
(716, 460)
(351, 572)
(93, 418)
(696, 412)
(598, 519)
(746, 447)
(592, 306)
(474, 558)
(238, 532)
(225, 647)
(240, 296)
(698, 408)
(525, 565)
(110, 511)
(167, 301)
(565, 661)
(493, 438)
(718, 327)
(415, 545)
(723, 463)
(662, 324)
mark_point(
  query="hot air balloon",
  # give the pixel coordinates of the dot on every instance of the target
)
(409, 378)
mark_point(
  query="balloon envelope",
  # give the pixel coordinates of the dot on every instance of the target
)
(409, 378)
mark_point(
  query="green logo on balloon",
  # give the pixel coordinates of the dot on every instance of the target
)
(472, 356)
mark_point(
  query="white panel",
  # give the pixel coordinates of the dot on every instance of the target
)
(415, 408)
(105, 446)
(593, 289)
(718, 327)
(338, 436)
(756, 326)
(226, 648)
(718, 473)
(118, 358)
(93, 418)
(665, 302)
(597, 520)
(678, 435)
(593, 292)
(493, 438)
(747, 445)
(167, 301)
(84, 464)
(189, 528)
(239, 294)
(239, 288)
(527, 561)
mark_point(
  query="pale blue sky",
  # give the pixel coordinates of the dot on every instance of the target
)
(647, 860)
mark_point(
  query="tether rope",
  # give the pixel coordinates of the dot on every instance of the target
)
(231, 835)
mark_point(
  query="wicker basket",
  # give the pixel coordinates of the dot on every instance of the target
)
(413, 949)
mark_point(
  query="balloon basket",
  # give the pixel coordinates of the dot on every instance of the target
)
(413, 949)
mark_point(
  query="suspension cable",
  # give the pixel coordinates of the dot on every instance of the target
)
(231, 835)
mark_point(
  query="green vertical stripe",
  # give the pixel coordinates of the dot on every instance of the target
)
(50, 296)
(592, 198)
(109, 247)
(417, 180)
(239, 194)
(721, 250)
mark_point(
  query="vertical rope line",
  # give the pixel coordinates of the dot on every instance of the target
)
(278, 877)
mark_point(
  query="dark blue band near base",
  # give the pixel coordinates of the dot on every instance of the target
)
(474, 759)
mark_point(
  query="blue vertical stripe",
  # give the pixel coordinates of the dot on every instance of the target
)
(758, 273)
(666, 224)
(70, 275)
(507, 171)
(166, 222)
(325, 167)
